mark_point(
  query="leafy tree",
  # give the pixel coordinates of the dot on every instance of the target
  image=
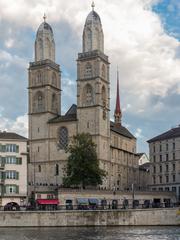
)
(83, 165)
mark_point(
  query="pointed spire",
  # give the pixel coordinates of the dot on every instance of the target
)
(117, 112)
(93, 6)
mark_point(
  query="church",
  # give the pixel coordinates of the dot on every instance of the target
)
(50, 131)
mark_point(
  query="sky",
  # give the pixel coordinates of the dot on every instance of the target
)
(141, 38)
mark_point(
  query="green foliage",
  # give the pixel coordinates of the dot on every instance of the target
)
(83, 166)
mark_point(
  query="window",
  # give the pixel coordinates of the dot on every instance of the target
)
(9, 189)
(154, 169)
(11, 175)
(39, 78)
(38, 102)
(161, 189)
(154, 148)
(167, 157)
(160, 168)
(103, 71)
(174, 178)
(167, 189)
(103, 96)
(160, 148)
(174, 167)
(174, 146)
(154, 180)
(56, 170)
(160, 158)
(174, 156)
(39, 168)
(167, 179)
(54, 103)
(167, 168)
(167, 146)
(54, 79)
(88, 71)
(11, 160)
(88, 94)
(63, 138)
(154, 158)
(12, 148)
(160, 179)
(173, 189)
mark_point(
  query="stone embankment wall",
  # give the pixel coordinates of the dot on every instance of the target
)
(147, 217)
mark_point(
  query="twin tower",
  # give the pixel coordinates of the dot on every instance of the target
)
(48, 128)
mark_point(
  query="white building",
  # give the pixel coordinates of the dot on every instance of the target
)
(13, 168)
(165, 161)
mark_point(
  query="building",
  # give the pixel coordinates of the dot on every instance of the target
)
(13, 168)
(165, 161)
(50, 131)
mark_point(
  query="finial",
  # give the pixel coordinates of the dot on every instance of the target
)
(44, 17)
(93, 5)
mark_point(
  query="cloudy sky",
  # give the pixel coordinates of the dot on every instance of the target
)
(141, 37)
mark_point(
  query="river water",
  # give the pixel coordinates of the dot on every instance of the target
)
(91, 233)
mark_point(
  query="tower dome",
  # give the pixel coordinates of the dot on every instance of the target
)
(93, 37)
(44, 44)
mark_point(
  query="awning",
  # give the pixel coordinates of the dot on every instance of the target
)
(83, 201)
(47, 201)
(93, 201)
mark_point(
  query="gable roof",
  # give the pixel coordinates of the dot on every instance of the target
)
(172, 133)
(70, 115)
(11, 136)
(119, 129)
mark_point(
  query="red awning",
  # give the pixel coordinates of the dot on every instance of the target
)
(47, 201)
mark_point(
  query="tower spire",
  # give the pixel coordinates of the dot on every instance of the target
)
(44, 17)
(117, 112)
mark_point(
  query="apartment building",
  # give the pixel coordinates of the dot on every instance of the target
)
(13, 169)
(165, 161)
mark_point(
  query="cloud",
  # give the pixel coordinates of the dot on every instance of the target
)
(19, 125)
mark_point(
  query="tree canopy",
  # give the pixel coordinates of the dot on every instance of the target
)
(83, 166)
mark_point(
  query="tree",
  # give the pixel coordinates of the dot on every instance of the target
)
(83, 165)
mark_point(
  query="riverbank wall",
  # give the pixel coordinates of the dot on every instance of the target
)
(139, 217)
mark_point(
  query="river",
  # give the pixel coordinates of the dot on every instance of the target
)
(91, 233)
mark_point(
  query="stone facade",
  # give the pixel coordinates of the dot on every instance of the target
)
(50, 131)
(13, 168)
(165, 161)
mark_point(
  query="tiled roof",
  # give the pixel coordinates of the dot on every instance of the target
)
(71, 115)
(172, 133)
(11, 136)
(121, 130)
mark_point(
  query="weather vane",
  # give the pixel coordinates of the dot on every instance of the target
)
(44, 17)
(93, 5)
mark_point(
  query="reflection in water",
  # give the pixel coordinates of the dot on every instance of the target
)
(91, 233)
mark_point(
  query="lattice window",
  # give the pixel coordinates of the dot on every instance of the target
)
(63, 138)
(88, 71)
(88, 94)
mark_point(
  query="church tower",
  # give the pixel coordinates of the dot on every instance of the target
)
(44, 92)
(93, 88)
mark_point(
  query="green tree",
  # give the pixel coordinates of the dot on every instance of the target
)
(83, 166)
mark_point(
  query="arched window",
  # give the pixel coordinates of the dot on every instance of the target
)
(40, 49)
(54, 80)
(88, 94)
(103, 96)
(103, 71)
(63, 138)
(56, 170)
(89, 40)
(48, 47)
(54, 103)
(88, 71)
(38, 102)
(39, 78)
